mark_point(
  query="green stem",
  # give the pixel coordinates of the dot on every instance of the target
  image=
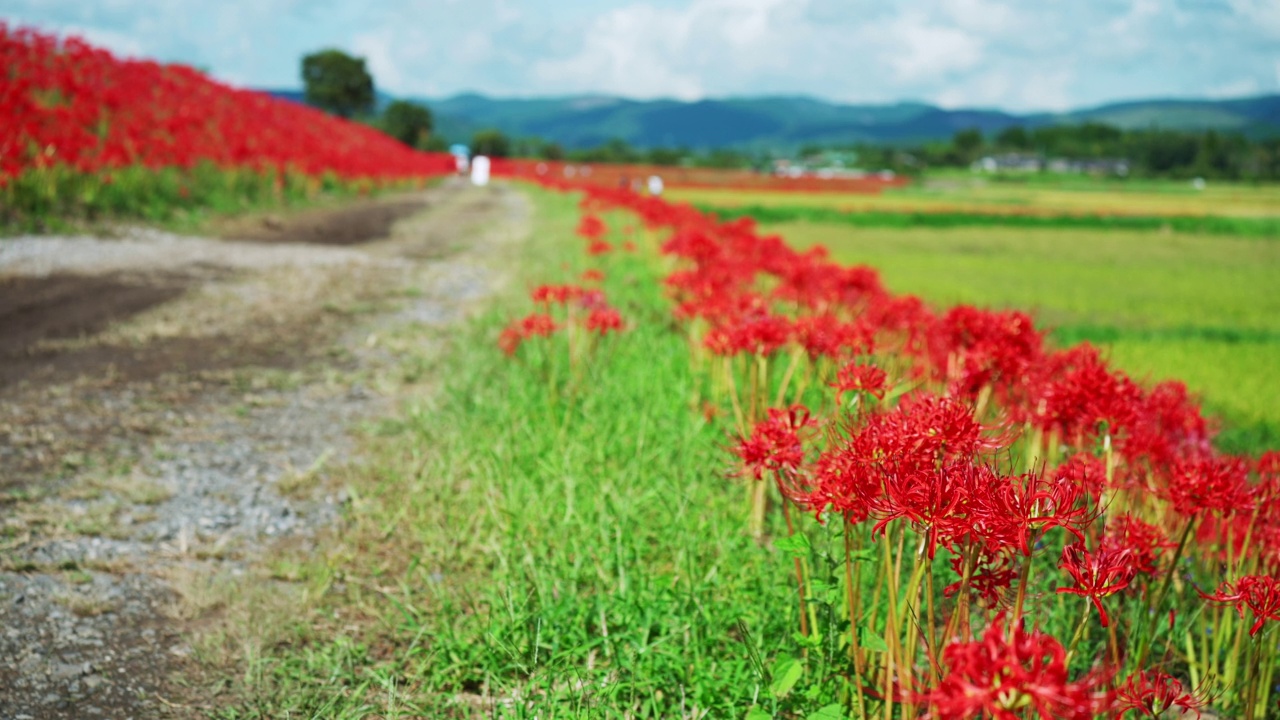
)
(1152, 609)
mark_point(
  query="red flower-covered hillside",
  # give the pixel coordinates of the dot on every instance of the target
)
(64, 102)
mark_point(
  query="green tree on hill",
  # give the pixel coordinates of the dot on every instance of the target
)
(967, 144)
(337, 83)
(410, 123)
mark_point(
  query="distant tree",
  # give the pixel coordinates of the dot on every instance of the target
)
(551, 151)
(666, 156)
(435, 143)
(410, 123)
(967, 141)
(1014, 137)
(337, 83)
(491, 142)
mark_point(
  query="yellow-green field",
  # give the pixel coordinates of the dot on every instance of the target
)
(1201, 308)
(976, 195)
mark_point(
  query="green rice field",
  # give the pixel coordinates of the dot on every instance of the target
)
(1201, 308)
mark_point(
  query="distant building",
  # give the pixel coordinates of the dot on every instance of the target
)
(1009, 162)
(1027, 162)
(825, 165)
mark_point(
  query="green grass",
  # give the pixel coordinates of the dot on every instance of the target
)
(1245, 227)
(584, 559)
(1203, 309)
(972, 194)
(59, 198)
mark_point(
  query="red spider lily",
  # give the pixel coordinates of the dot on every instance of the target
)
(1009, 511)
(913, 463)
(1213, 484)
(1087, 471)
(757, 334)
(990, 579)
(593, 276)
(604, 321)
(860, 378)
(599, 247)
(509, 340)
(1004, 676)
(976, 348)
(1097, 574)
(1081, 393)
(555, 294)
(1144, 542)
(591, 227)
(1152, 692)
(1260, 593)
(776, 444)
(535, 325)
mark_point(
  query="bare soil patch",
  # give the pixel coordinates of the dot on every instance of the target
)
(70, 305)
(351, 225)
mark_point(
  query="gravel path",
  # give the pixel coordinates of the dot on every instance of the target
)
(116, 548)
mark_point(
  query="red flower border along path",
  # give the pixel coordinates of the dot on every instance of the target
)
(961, 434)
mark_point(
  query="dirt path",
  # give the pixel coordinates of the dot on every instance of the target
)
(170, 407)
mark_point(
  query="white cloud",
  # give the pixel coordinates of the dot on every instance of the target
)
(1048, 54)
(1235, 88)
(926, 49)
(375, 48)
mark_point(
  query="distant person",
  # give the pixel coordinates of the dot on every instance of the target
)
(480, 171)
(655, 185)
(461, 156)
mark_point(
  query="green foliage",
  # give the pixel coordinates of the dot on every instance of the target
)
(49, 198)
(337, 83)
(435, 143)
(492, 143)
(408, 122)
(967, 143)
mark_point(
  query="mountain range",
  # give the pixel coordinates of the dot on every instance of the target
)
(791, 121)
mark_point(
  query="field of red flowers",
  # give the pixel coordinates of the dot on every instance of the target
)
(87, 133)
(67, 102)
(983, 486)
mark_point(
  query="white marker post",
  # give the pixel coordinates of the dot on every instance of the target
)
(655, 185)
(480, 171)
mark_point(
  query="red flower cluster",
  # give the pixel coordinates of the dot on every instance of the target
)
(65, 102)
(1152, 692)
(570, 300)
(1097, 574)
(1004, 676)
(1259, 593)
(776, 445)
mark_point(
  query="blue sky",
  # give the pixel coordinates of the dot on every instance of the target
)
(1013, 54)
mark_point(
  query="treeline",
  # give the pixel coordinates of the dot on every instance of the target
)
(1152, 152)
(1143, 153)
(342, 85)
